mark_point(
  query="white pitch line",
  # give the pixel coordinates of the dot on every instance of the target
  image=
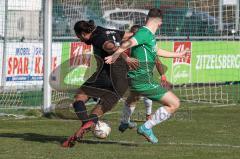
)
(212, 106)
(224, 105)
(203, 144)
(171, 143)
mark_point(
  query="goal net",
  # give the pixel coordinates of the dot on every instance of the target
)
(20, 50)
(210, 28)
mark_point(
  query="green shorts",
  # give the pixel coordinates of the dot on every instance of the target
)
(151, 90)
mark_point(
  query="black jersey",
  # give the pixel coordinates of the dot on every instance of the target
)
(99, 36)
(107, 77)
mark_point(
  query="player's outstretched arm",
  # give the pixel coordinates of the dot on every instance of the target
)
(124, 46)
(165, 53)
(159, 66)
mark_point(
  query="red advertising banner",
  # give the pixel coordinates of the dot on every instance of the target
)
(80, 54)
(181, 68)
(181, 46)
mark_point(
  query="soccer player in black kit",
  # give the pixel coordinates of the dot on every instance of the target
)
(108, 83)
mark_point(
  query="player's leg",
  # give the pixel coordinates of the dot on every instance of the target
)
(109, 88)
(92, 88)
(171, 104)
(98, 85)
(148, 107)
(108, 99)
(79, 106)
(80, 109)
(107, 102)
(120, 83)
(127, 111)
(81, 98)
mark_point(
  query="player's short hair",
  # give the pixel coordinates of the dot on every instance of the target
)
(134, 28)
(155, 13)
(84, 26)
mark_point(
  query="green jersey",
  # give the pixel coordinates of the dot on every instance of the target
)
(142, 78)
(145, 52)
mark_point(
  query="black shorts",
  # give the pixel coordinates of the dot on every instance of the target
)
(113, 79)
(109, 85)
(100, 80)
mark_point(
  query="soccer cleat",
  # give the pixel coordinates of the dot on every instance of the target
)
(124, 126)
(148, 134)
(87, 126)
(70, 142)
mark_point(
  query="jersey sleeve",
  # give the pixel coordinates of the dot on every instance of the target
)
(99, 40)
(140, 37)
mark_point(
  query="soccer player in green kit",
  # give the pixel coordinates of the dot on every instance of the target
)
(143, 45)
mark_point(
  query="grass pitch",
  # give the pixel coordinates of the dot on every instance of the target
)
(196, 131)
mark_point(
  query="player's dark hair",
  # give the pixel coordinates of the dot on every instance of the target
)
(134, 28)
(155, 13)
(84, 26)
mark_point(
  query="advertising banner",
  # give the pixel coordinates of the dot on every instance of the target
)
(207, 62)
(181, 68)
(25, 63)
(215, 61)
(75, 60)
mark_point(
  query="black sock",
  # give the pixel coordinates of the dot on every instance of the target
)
(80, 110)
(94, 118)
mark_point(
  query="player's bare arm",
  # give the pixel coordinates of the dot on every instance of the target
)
(165, 53)
(124, 46)
(110, 48)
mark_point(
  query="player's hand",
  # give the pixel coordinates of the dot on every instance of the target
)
(183, 53)
(132, 63)
(111, 59)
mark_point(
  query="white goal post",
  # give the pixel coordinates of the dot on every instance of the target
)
(47, 45)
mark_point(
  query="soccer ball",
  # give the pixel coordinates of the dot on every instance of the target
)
(101, 130)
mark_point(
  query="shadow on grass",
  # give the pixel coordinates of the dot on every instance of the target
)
(60, 139)
(123, 143)
(34, 137)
